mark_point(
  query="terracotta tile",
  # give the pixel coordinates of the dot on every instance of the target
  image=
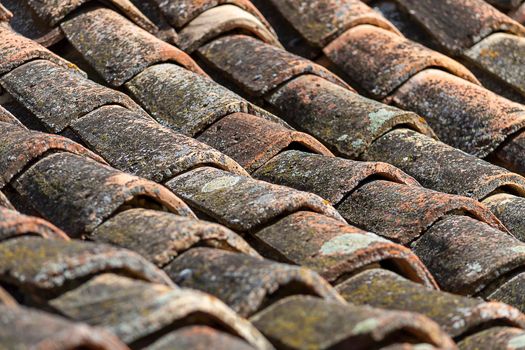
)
(78, 194)
(55, 11)
(160, 237)
(157, 308)
(466, 255)
(494, 338)
(186, 102)
(181, 12)
(335, 250)
(458, 316)
(13, 225)
(57, 96)
(381, 61)
(256, 67)
(23, 328)
(58, 265)
(16, 50)
(441, 167)
(219, 20)
(403, 213)
(457, 25)
(329, 177)
(102, 28)
(199, 338)
(141, 146)
(20, 147)
(246, 284)
(462, 114)
(322, 21)
(289, 323)
(242, 203)
(344, 121)
(253, 141)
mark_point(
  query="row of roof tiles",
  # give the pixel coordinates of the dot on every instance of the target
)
(73, 188)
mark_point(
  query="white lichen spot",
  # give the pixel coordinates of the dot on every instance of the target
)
(358, 143)
(518, 249)
(365, 326)
(517, 342)
(220, 183)
(342, 138)
(473, 268)
(379, 117)
(347, 244)
(423, 347)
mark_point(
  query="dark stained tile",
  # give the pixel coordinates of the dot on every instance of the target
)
(299, 322)
(160, 237)
(102, 28)
(23, 328)
(458, 316)
(157, 309)
(246, 284)
(256, 67)
(78, 194)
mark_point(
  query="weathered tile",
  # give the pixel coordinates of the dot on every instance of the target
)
(160, 236)
(458, 316)
(20, 147)
(403, 213)
(457, 25)
(57, 96)
(344, 121)
(246, 284)
(253, 141)
(139, 145)
(187, 102)
(335, 250)
(105, 301)
(44, 268)
(95, 33)
(462, 114)
(381, 61)
(220, 20)
(332, 178)
(466, 255)
(13, 224)
(302, 322)
(23, 328)
(78, 194)
(257, 67)
(242, 203)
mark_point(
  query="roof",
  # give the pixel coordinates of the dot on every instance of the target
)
(280, 174)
